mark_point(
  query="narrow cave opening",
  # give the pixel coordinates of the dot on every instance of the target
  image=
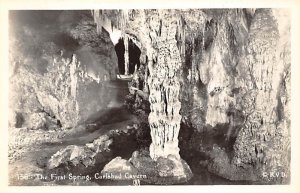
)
(134, 54)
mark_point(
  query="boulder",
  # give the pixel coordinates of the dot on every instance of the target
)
(74, 155)
(119, 169)
(170, 170)
(41, 120)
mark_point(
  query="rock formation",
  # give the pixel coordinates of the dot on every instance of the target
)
(163, 81)
(50, 76)
(264, 138)
(225, 68)
(73, 155)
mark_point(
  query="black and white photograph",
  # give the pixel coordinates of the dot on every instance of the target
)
(139, 97)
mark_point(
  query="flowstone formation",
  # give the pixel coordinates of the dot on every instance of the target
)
(264, 138)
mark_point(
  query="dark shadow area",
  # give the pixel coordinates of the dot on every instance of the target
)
(134, 56)
(195, 148)
(120, 50)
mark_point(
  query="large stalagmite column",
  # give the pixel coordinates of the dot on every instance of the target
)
(164, 87)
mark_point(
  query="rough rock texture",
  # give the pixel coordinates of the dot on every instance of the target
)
(74, 155)
(234, 74)
(59, 68)
(96, 53)
(119, 167)
(163, 81)
(41, 121)
(265, 138)
(22, 140)
(170, 170)
(98, 151)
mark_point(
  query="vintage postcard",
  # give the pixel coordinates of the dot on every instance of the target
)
(142, 96)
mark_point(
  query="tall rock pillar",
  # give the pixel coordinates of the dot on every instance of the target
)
(164, 86)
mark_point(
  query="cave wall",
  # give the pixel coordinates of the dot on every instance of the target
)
(59, 66)
(234, 74)
(264, 139)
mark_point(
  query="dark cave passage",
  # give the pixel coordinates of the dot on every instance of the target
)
(134, 56)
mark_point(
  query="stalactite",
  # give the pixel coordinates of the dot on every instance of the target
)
(181, 36)
(98, 19)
